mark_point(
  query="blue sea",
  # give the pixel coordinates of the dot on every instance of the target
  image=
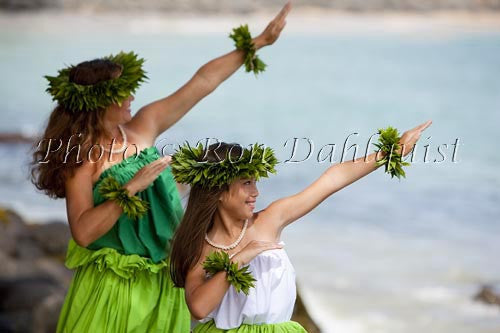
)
(381, 255)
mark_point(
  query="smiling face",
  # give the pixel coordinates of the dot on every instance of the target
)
(239, 200)
(116, 114)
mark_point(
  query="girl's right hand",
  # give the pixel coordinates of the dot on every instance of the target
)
(253, 249)
(273, 29)
(410, 137)
(148, 174)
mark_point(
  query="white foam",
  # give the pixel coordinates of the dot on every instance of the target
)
(435, 294)
(327, 322)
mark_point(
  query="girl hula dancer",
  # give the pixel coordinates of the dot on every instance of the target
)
(122, 209)
(236, 274)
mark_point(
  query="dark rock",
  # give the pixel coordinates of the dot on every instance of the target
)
(488, 295)
(33, 278)
(245, 7)
(32, 241)
(14, 267)
(27, 248)
(24, 302)
(25, 293)
(16, 5)
(15, 138)
(12, 227)
(5, 325)
(16, 322)
(301, 316)
(46, 314)
(52, 237)
(54, 269)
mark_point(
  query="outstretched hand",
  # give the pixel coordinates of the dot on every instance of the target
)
(253, 249)
(274, 28)
(147, 174)
(410, 137)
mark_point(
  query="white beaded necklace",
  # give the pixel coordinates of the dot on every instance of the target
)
(124, 143)
(230, 246)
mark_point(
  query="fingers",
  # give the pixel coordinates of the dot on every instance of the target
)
(163, 163)
(284, 11)
(166, 159)
(416, 131)
(273, 245)
(281, 26)
(158, 166)
(410, 137)
(422, 126)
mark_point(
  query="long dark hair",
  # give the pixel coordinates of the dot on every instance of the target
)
(50, 169)
(187, 244)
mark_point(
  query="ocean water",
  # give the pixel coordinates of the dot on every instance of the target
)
(379, 256)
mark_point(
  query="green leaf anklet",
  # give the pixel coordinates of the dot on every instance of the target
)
(241, 279)
(132, 206)
(243, 41)
(388, 143)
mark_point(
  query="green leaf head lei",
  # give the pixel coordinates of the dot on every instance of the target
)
(91, 97)
(190, 165)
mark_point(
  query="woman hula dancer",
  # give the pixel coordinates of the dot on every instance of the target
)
(220, 233)
(122, 209)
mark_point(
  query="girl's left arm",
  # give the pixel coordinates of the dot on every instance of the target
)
(153, 119)
(285, 211)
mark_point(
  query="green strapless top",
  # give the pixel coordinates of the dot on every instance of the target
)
(150, 235)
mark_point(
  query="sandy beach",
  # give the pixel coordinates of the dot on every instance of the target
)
(300, 21)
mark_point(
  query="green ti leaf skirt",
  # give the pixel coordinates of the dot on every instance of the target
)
(286, 327)
(112, 292)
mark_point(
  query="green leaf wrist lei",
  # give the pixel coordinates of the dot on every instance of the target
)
(241, 279)
(132, 206)
(243, 41)
(388, 143)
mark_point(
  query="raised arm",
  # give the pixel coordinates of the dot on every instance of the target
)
(155, 118)
(287, 210)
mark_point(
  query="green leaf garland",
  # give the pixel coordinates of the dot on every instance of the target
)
(132, 206)
(393, 160)
(243, 41)
(241, 279)
(188, 168)
(78, 97)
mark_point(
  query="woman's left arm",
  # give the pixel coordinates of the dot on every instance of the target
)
(155, 118)
(285, 211)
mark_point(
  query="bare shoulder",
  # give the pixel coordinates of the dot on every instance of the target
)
(196, 274)
(79, 184)
(86, 172)
(265, 226)
(79, 192)
(138, 135)
(142, 126)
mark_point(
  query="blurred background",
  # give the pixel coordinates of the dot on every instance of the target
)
(416, 255)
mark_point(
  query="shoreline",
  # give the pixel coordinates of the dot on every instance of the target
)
(302, 20)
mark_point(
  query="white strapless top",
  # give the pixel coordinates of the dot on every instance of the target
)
(270, 302)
